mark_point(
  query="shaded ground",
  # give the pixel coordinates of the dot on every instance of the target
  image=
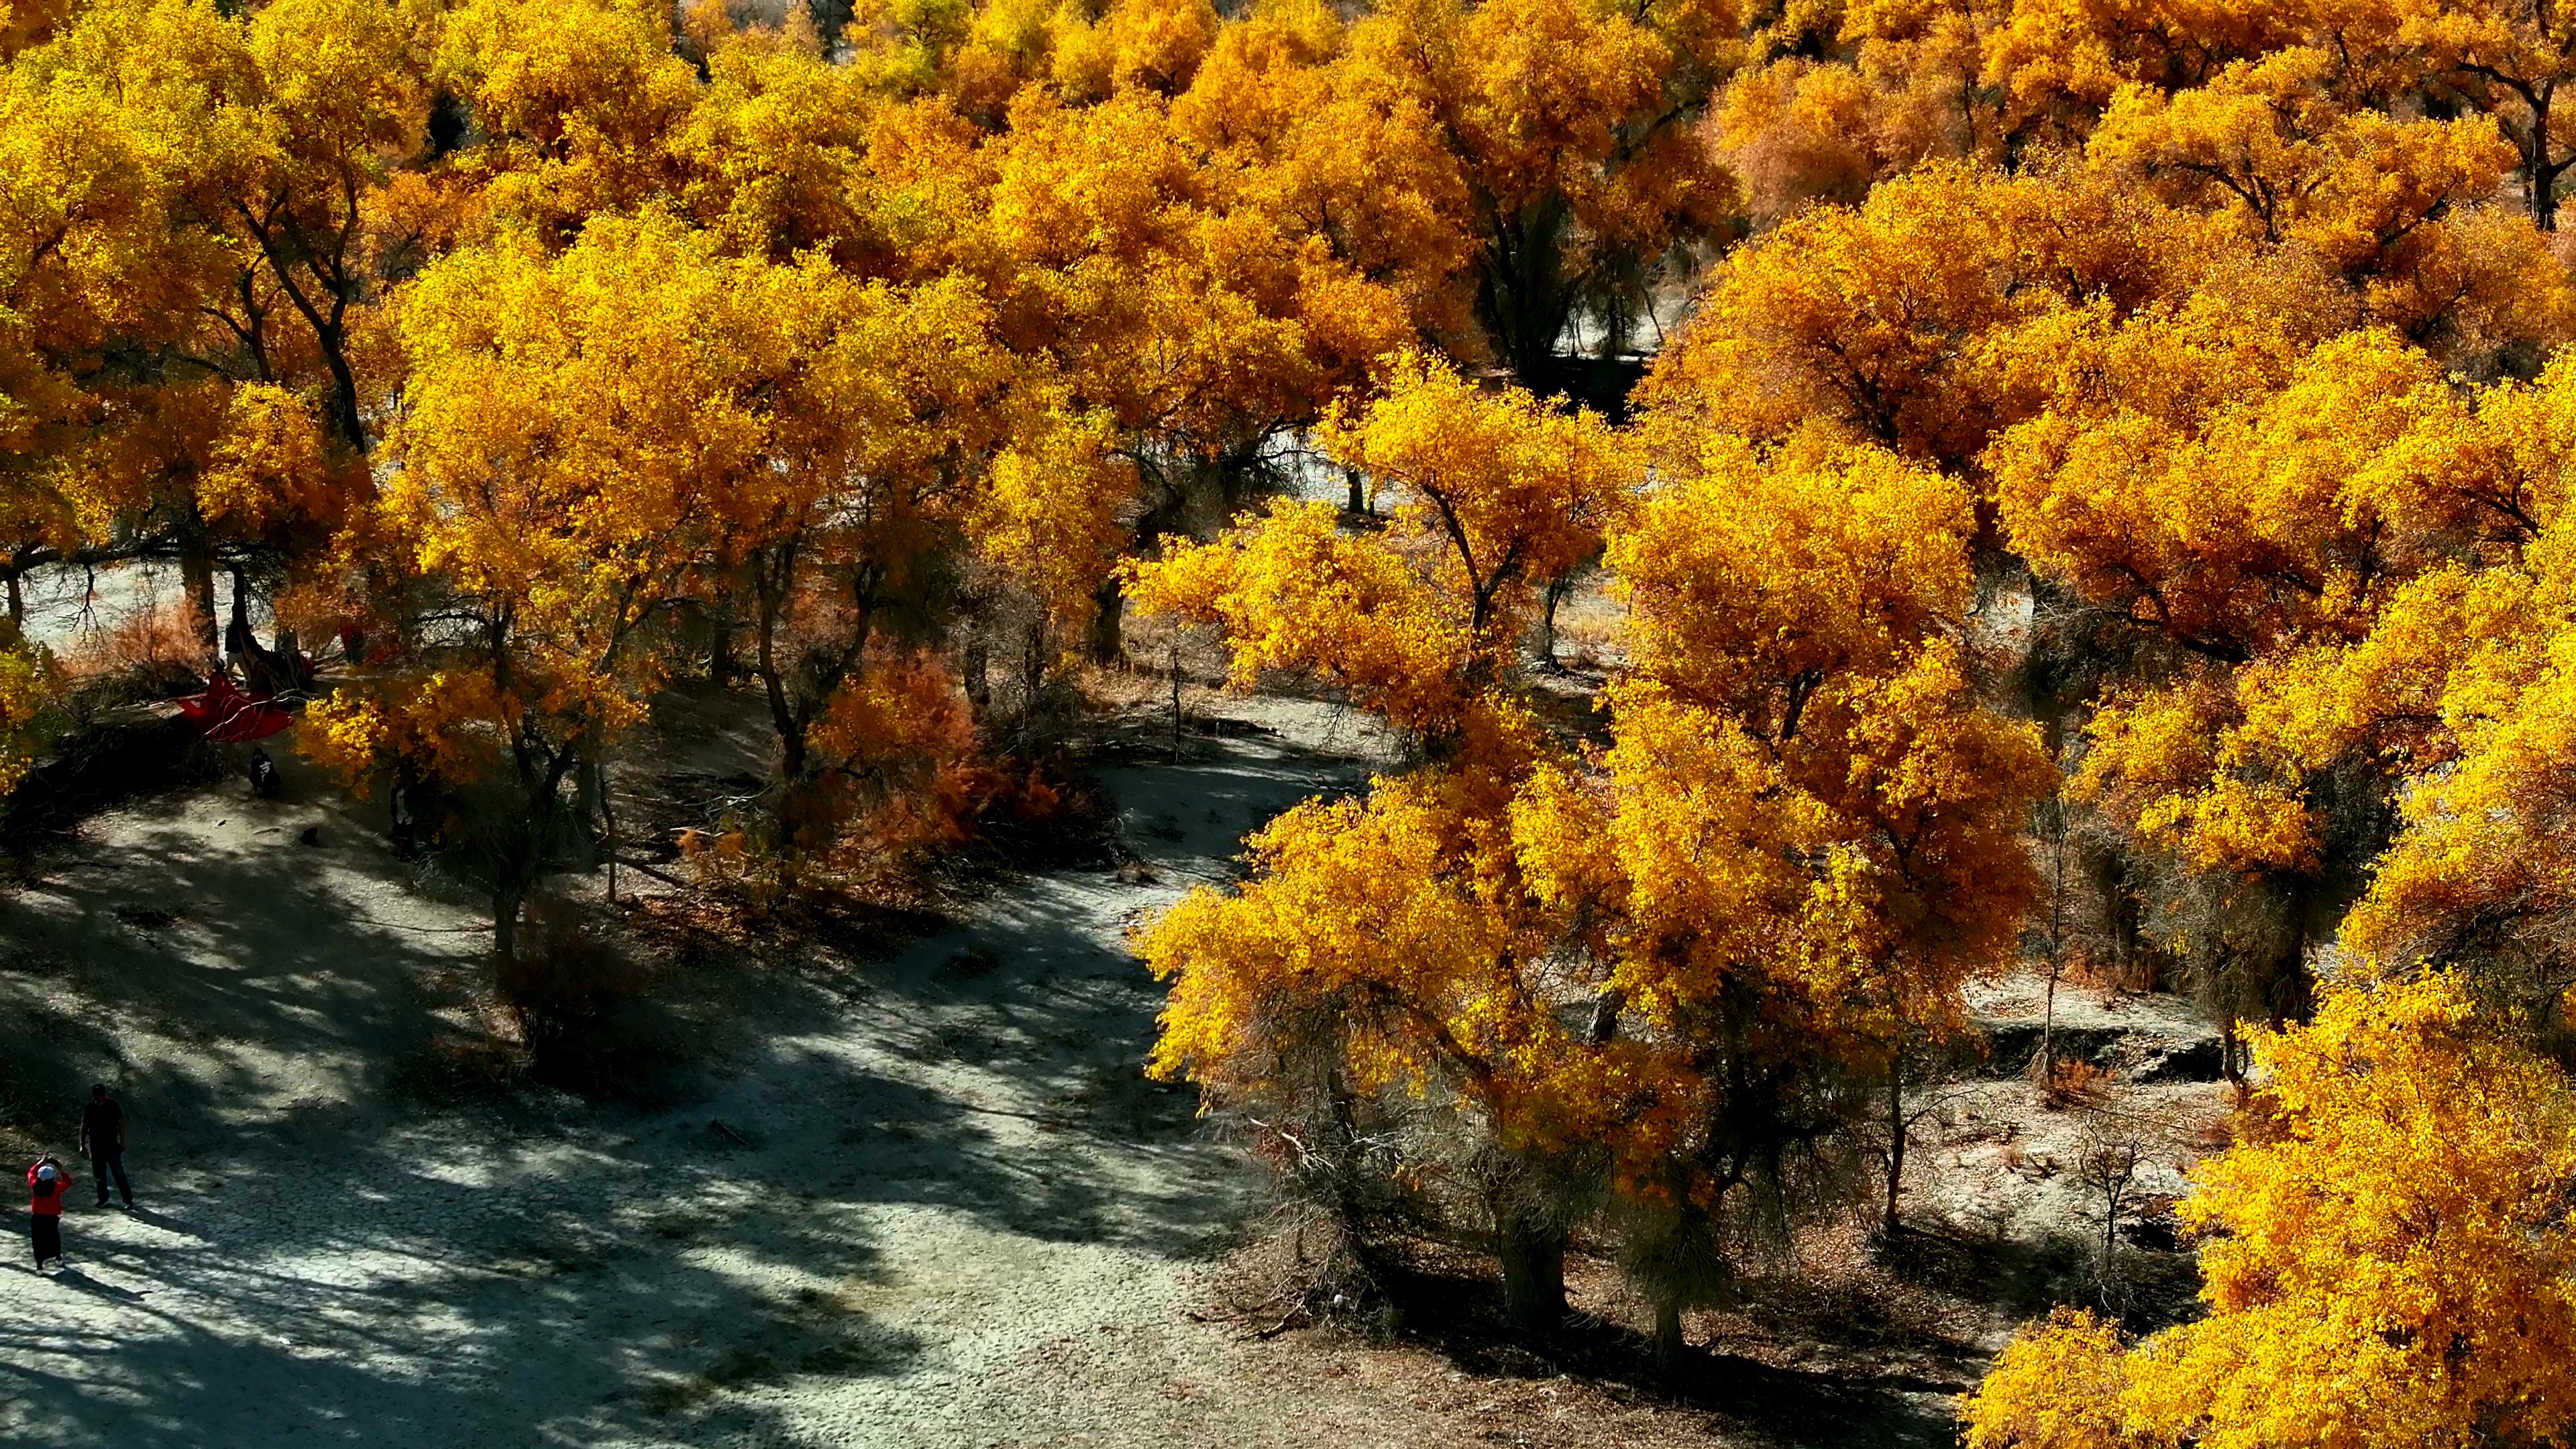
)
(935, 1181)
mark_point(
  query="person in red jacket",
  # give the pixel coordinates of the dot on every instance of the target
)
(46, 1182)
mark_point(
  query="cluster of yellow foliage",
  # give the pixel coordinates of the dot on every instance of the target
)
(1802, 838)
(506, 333)
(2231, 360)
(30, 688)
(2392, 1258)
(2248, 358)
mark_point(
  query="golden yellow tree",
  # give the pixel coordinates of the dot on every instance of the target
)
(1495, 494)
(1386, 959)
(30, 706)
(85, 264)
(1565, 124)
(1804, 836)
(901, 440)
(262, 203)
(2390, 1258)
(568, 427)
(579, 104)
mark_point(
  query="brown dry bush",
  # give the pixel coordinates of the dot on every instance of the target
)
(2073, 1082)
(156, 652)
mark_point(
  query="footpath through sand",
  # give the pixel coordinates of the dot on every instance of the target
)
(944, 1207)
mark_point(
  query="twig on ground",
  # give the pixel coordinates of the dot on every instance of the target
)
(669, 880)
(1288, 1320)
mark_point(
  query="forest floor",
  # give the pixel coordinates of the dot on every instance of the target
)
(902, 1185)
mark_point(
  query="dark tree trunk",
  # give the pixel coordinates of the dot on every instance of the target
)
(506, 899)
(238, 639)
(1107, 642)
(1521, 295)
(976, 665)
(2539, 176)
(1896, 1135)
(1557, 589)
(721, 667)
(197, 581)
(607, 825)
(1533, 1258)
(1669, 1343)
(1033, 667)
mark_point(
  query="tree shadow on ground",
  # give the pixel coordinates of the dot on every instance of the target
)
(327, 1255)
(2147, 1289)
(1902, 1400)
(371, 1291)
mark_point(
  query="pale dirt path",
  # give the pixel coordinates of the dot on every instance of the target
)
(962, 1218)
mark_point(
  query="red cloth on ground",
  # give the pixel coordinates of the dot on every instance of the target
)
(227, 716)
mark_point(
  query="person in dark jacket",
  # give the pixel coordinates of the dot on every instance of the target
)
(46, 1181)
(102, 1136)
(264, 782)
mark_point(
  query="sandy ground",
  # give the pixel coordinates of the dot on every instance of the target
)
(956, 1213)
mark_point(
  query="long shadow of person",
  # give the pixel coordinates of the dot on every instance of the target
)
(166, 1223)
(75, 1278)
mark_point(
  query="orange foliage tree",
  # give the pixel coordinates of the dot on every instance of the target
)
(1803, 838)
(570, 425)
(1387, 957)
(2390, 1258)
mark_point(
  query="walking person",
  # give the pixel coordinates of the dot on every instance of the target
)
(103, 1138)
(46, 1181)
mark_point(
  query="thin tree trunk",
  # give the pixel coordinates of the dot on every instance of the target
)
(2046, 1062)
(1033, 664)
(976, 665)
(1557, 589)
(608, 827)
(1896, 1135)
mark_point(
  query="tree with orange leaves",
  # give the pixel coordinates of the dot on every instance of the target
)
(2389, 1257)
(252, 226)
(1566, 126)
(1386, 961)
(1803, 838)
(569, 423)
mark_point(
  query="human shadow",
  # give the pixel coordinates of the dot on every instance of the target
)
(165, 1223)
(73, 1277)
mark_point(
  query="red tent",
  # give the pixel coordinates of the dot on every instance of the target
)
(227, 716)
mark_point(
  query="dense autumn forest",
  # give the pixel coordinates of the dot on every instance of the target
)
(2092, 491)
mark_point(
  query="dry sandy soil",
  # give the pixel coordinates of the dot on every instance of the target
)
(925, 1200)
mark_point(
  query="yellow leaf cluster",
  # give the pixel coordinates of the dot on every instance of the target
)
(2389, 1257)
(31, 689)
